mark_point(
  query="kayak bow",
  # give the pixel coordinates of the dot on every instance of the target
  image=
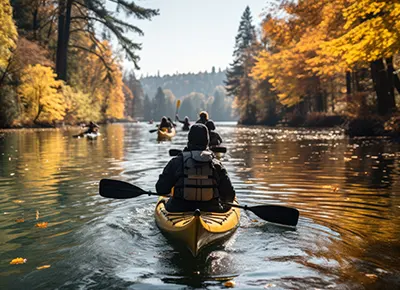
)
(196, 229)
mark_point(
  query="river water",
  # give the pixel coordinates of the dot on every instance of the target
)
(347, 192)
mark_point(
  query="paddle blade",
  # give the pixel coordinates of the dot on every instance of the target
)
(174, 152)
(153, 130)
(178, 104)
(218, 149)
(119, 189)
(276, 214)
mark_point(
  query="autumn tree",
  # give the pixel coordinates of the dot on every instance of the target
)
(372, 36)
(8, 35)
(39, 91)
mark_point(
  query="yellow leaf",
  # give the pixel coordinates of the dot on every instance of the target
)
(43, 267)
(18, 201)
(20, 220)
(17, 261)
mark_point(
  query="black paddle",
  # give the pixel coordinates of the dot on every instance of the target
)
(217, 149)
(272, 213)
(153, 130)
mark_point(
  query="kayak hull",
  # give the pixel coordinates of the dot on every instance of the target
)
(196, 229)
(164, 134)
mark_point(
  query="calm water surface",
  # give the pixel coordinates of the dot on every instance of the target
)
(347, 191)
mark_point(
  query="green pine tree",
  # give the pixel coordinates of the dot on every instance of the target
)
(238, 81)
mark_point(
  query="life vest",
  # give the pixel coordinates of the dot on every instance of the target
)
(199, 177)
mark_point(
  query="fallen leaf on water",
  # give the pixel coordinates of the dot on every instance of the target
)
(17, 261)
(42, 225)
(335, 188)
(254, 220)
(269, 285)
(230, 284)
(18, 201)
(43, 267)
(37, 215)
(20, 220)
(372, 276)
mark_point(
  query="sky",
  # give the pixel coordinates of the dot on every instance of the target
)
(190, 35)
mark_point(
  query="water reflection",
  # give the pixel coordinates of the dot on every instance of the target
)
(347, 192)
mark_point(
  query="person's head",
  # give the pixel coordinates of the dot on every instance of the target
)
(203, 115)
(91, 123)
(198, 137)
(163, 119)
(186, 119)
(210, 125)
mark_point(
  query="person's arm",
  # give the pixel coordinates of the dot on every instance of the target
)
(226, 190)
(168, 178)
(219, 138)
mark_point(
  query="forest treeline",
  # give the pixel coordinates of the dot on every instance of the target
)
(319, 62)
(57, 64)
(156, 96)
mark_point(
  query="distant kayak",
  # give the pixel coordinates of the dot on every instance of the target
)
(92, 135)
(196, 229)
(165, 134)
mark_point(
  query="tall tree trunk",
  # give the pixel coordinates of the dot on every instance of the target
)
(348, 84)
(35, 23)
(64, 23)
(386, 101)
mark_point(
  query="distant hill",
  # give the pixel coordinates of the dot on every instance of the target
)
(183, 84)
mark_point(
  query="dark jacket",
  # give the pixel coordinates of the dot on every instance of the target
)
(215, 138)
(173, 172)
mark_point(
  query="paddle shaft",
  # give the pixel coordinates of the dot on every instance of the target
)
(272, 213)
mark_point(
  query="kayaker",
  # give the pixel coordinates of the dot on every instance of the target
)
(93, 128)
(165, 124)
(198, 178)
(185, 122)
(215, 138)
(203, 117)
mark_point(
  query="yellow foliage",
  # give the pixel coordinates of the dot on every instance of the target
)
(101, 79)
(372, 32)
(296, 65)
(8, 32)
(39, 93)
(77, 104)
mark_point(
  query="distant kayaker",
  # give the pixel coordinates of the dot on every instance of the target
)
(203, 117)
(215, 138)
(185, 122)
(198, 178)
(165, 124)
(93, 128)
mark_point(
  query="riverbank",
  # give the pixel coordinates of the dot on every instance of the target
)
(354, 126)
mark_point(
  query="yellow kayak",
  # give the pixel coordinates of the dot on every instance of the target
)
(196, 229)
(165, 134)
